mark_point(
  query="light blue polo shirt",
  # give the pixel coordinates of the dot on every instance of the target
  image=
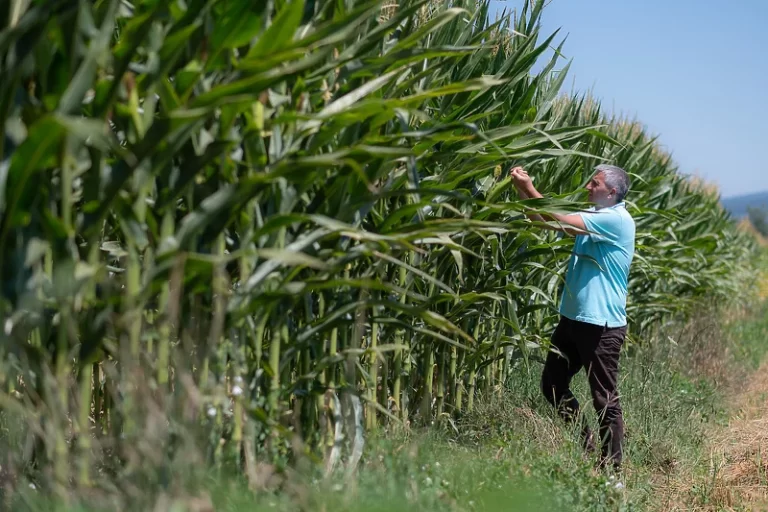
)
(596, 281)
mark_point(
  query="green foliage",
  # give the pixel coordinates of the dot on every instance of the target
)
(758, 217)
(513, 453)
(226, 223)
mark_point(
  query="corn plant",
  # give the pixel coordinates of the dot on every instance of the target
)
(228, 225)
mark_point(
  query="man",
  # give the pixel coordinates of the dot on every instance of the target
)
(593, 321)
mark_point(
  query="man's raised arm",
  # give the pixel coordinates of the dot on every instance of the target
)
(572, 224)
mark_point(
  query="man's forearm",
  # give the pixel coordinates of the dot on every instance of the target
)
(571, 224)
(532, 193)
(524, 195)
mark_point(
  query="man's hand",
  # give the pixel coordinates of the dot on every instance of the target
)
(521, 179)
(523, 183)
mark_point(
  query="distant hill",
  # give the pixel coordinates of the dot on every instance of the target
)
(738, 205)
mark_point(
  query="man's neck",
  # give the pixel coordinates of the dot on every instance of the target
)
(601, 206)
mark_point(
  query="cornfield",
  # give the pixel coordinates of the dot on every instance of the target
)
(228, 226)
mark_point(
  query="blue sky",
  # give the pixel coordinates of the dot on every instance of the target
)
(693, 71)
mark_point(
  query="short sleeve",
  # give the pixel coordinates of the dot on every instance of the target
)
(604, 225)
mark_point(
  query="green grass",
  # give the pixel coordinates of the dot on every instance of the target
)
(512, 453)
(753, 335)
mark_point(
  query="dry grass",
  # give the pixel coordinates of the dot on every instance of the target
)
(737, 460)
(496, 416)
(740, 452)
(732, 471)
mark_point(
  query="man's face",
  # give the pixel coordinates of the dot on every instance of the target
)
(599, 193)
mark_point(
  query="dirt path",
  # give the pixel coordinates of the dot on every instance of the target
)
(740, 451)
(737, 460)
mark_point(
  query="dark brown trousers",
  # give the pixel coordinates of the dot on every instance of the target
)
(596, 349)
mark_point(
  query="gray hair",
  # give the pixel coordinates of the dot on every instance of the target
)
(615, 177)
